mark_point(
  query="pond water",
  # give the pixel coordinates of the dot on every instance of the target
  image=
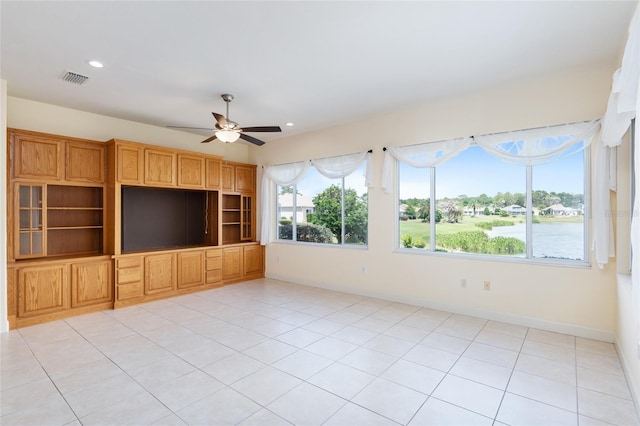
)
(557, 240)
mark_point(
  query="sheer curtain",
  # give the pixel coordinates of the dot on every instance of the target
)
(621, 109)
(538, 146)
(283, 175)
(343, 165)
(423, 155)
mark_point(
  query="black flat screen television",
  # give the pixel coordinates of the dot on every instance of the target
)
(159, 218)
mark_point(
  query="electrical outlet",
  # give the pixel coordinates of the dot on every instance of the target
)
(364, 269)
(487, 285)
(463, 283)
(277, 259)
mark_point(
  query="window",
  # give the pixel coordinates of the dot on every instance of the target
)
(322, 210)
(486, 206)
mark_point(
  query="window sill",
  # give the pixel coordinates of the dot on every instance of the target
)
(470, 256)
(323, 245)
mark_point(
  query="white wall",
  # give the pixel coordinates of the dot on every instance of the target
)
(580, 301)
(628, 298)
(4, 323)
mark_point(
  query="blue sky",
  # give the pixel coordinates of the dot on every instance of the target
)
(474, 172)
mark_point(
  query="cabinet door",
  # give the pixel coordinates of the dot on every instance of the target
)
(213, 173)
(190, 269)
(159, 273)
(42, 290)
(231, 263)
(253, 260)
(85, 162)
(159, 168)
(37, 157)
(29, 235)
(129, 164)
(245, 180)
(190, 171)
(91, 283)
(246, 225)
(227, 178)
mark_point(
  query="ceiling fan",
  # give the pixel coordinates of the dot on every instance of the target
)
(229, 131)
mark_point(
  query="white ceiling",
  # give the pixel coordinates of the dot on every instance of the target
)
(315, 64)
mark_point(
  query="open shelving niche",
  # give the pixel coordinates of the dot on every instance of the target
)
(74, 220)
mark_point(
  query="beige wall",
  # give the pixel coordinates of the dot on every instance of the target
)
(628, 302)
(4, 323)
(581, 301)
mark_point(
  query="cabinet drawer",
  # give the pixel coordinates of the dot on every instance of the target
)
(214, 276)
(129, 291)
(214, 253)
(214, 263)
(129, 275)
(129, 262)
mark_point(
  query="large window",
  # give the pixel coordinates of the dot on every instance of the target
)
(486, 206)
(322, 210)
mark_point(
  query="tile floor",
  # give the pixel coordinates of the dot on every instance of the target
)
(268, 352)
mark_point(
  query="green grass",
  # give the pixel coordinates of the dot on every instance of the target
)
(418, 229)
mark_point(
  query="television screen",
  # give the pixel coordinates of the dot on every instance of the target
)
(159, 218)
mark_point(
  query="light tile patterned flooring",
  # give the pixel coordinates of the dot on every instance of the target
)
(268, 352)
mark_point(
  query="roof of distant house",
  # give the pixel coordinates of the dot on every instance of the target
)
(286, 200)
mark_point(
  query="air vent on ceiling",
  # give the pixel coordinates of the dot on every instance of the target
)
(74, 78)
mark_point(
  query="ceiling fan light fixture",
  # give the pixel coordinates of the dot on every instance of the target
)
(227, 136)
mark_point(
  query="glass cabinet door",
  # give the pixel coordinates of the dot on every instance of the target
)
(247, 214)
(30, 221)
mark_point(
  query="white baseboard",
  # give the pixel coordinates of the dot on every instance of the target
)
(630, 382)
(558, 327)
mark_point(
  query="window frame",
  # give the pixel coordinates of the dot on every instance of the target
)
(294, 222)
(528, 258)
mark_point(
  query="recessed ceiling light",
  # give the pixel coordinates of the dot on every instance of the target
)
(96, 64)
(289, 124)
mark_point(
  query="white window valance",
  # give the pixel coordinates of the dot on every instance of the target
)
(287, 174)
(422, 155)
(537, 146)
(343, 165)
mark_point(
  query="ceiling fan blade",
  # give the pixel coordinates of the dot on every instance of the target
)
(251, 139)
(209, 139)
(262, 129)
(194, 128)
(222, 121)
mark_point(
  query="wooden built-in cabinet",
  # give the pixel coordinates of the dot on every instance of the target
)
(91, 283)
(85, 162)
(36, 156)
(65, 216)
(213, 173)
(190, 171)
(159, 168)
(45, 290)
(237, 177)
(129, 163)
(55, 220)
(190, 269)
(148, 276)
(159, 273)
